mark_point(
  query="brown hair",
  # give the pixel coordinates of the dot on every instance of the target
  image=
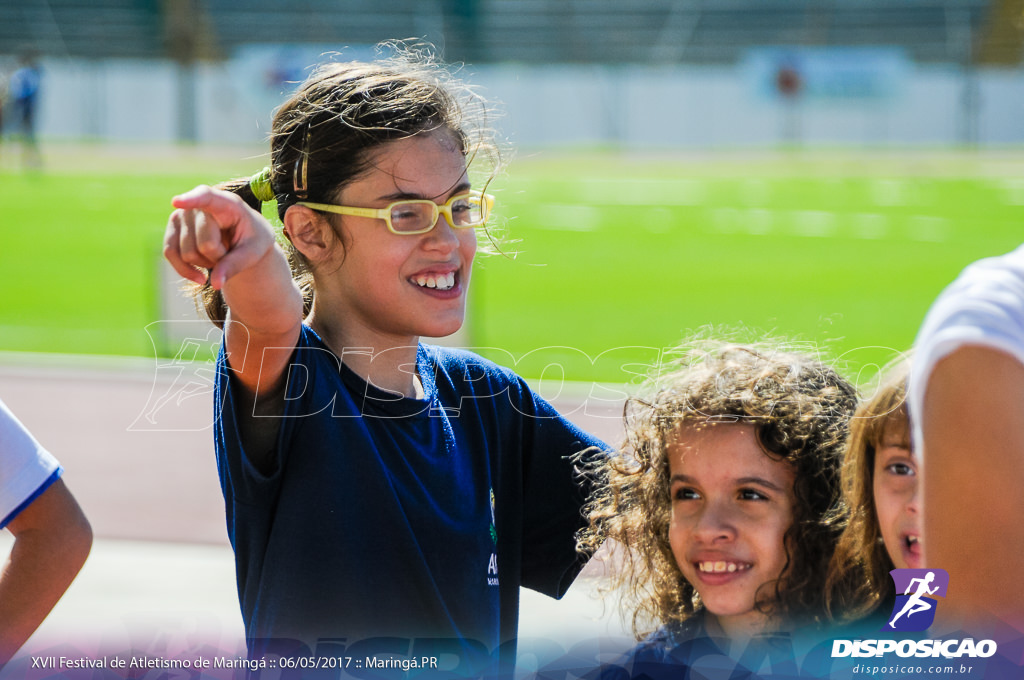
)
(800, 408)
(858, 577)
(322, 137)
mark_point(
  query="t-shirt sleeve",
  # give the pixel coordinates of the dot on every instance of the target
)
(246, 479)
(983, 307)
(26, 468)
(554, 493)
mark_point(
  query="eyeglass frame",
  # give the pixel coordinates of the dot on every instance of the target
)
(487, 201)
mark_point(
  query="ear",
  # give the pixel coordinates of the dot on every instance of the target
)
(309, 232)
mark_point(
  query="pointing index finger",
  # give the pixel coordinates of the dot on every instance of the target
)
(224, 207)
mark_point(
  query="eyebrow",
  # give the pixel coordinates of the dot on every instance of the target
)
(407, 196)
(686, 479)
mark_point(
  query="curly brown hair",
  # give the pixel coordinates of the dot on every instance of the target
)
(858, 579)
(800, 409)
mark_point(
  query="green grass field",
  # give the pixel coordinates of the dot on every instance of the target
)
(618, 256)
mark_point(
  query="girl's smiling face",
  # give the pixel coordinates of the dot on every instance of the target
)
(731, 508)
(392, 287)
(896, 501)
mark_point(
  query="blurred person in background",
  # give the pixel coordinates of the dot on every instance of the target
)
(23, 92)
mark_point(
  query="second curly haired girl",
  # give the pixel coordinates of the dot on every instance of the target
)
(880, 486)
(725, 502)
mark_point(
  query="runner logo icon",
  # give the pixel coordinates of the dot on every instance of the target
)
(914, 609)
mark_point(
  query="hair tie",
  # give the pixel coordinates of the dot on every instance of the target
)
(259, 184)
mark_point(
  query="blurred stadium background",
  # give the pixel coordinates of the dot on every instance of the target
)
(816, 169)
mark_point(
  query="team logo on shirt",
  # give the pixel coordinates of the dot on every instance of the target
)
(492, 565)
(494, 529)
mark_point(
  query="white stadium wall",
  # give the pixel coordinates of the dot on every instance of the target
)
(563, 106)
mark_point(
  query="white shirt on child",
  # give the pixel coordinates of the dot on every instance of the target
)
(983, 307)
(26, 468)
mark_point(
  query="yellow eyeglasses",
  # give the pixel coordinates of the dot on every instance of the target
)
(418, 216)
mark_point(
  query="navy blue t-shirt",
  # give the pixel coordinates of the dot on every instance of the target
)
(685, 649)
(384, 516)
(682, 650)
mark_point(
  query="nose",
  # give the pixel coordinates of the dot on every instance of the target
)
(914, 502)
(443, 237)
(715, 524)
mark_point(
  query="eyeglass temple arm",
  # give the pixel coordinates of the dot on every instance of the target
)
(345, 210)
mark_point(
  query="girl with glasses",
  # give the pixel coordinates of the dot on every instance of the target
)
(723, 505)
(382, 495)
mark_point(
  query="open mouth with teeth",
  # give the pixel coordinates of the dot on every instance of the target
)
(438, 281)
(911, 552)
(721, 566)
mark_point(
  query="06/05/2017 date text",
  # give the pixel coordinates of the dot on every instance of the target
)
(326, 662)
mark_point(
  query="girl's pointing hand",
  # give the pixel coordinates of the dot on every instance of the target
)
(214, 230)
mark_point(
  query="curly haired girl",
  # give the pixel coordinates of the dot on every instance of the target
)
(724, 499)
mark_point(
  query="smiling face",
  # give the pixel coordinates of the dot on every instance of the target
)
(731, 508)
(386, 288)
(896, 501)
